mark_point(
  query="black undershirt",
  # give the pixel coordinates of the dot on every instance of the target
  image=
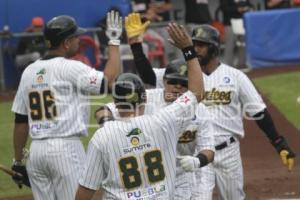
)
(142, 65)
(266, 124)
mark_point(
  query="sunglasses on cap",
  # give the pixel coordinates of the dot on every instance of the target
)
(183, 83)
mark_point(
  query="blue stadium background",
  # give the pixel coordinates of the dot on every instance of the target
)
(17, 14)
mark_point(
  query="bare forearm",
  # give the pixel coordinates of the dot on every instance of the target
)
(196, 84)
(209, 154)
(20, 139)
(112, 67)
(84, 193)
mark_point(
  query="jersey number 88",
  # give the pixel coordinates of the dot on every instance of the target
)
(131, 175)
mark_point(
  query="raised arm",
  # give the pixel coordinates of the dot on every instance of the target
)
(135, 30)
(113, 32)
(181, 39)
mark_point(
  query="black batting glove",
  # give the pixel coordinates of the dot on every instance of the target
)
(21, 176)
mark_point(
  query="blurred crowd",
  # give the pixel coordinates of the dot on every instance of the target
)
(188, 12)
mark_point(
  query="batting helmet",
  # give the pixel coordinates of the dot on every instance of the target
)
(59, 28)
(129, 88)
(210, 35)
(176, 69)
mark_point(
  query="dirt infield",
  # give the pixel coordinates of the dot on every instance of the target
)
(265, 175)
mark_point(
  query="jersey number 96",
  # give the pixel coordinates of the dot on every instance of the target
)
(131, 175)
(42, 105)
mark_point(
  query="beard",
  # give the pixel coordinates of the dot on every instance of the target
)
(204, 60)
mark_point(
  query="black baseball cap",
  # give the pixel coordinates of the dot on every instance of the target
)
(177, 69)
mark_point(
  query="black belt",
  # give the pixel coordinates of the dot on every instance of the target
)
(224, 144)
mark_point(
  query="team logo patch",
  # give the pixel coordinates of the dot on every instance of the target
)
(135, 131)
(135, 141)
(200, 33)
(226, 79)
(41, 72)
(40, 79)
(188, 136)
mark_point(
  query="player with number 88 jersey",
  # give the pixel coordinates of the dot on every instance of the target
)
(134, 157)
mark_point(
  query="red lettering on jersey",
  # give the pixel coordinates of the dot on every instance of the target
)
(185, 99)
(93, 80)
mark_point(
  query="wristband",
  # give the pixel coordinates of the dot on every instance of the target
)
(17, 162)
(114, 42)
(189, 53)
(203, 159)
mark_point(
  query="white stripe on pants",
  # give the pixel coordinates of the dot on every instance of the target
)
(54, 166)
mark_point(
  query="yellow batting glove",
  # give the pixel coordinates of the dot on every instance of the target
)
(285, 152)
(134, 26)
(288, 161)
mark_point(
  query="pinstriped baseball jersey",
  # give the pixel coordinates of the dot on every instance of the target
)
(229, 94)
(155, 97)
(52, 94)
(201, 124)
(135, 158)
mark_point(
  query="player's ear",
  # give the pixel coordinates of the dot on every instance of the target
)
(66, 44)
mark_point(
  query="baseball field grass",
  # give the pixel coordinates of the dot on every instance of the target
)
(282, 90)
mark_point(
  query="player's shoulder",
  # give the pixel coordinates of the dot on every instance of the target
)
(32, 69)
(186, 102)
(74, 63)
(105, 134)
(231, 69)
(231, 73)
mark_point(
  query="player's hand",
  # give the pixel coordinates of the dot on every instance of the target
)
(286, 154)
(114, 27)
(134, 26)
(179, 36)
(189, 163)
(21, 176)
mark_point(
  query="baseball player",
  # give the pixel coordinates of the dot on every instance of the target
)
(175, 81)
(200, 127)
(134, 157)
(229, 96)
(51, 106)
